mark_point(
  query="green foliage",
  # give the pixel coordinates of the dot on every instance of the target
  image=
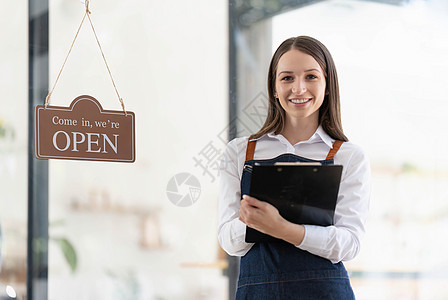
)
(408, 168)
(69, 252)
(6, 131)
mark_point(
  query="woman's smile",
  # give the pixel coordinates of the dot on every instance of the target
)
(300, 100)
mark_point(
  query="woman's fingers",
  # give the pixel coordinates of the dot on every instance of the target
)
(264, 217)
(248, 212)
(258, 214)
(254, 201)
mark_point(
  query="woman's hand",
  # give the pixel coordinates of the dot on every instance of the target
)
(260, 215)
(264, 217)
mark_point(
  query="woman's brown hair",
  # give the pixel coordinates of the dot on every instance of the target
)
(329, 112)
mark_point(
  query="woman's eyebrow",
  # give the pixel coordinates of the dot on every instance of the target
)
(309, 70)
(313, 70)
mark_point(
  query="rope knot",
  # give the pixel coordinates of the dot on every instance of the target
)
(47, 99)
(87, 2)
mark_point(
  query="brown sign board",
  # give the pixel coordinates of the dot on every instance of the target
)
(84, 131)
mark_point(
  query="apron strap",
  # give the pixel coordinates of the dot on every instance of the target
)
(250, 149)
(336, 145)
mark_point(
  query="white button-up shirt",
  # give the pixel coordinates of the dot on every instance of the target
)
(338, 242)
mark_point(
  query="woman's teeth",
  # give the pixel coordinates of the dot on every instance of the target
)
(299, 101)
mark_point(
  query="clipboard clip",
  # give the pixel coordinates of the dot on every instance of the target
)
(297, 164)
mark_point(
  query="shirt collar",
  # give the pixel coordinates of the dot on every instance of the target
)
(324, 136)
(319, 136)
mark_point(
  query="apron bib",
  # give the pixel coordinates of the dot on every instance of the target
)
(279, 270)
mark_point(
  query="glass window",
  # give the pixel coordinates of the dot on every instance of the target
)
(391, 60)
(145, 230)
(134, 235)
(13, 149)
(121, 231)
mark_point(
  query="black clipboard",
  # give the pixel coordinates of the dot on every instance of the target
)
(303, 193)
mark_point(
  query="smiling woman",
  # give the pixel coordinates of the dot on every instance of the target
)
(303, 125)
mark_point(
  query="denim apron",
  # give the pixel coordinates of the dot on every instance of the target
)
(279, 270)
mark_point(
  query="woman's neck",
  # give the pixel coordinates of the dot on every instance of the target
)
(298, 130)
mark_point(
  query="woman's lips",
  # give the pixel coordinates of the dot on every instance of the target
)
(300, 100)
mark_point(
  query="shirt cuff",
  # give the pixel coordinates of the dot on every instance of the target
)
(240, 230)
(313, 239)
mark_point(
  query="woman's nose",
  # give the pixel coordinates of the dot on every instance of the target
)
(299, 88)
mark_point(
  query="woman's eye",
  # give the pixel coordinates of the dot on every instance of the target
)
(287, 78)
(311, 77)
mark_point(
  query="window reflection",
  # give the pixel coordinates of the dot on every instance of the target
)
(391, 58)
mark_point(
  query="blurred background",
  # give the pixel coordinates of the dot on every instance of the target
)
(194, 73)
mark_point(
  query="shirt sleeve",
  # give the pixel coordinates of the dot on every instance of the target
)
(341, 242)
(231, 231)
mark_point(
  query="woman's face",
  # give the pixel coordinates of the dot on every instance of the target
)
(300, 85)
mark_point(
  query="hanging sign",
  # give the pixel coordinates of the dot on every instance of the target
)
(84, 131)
